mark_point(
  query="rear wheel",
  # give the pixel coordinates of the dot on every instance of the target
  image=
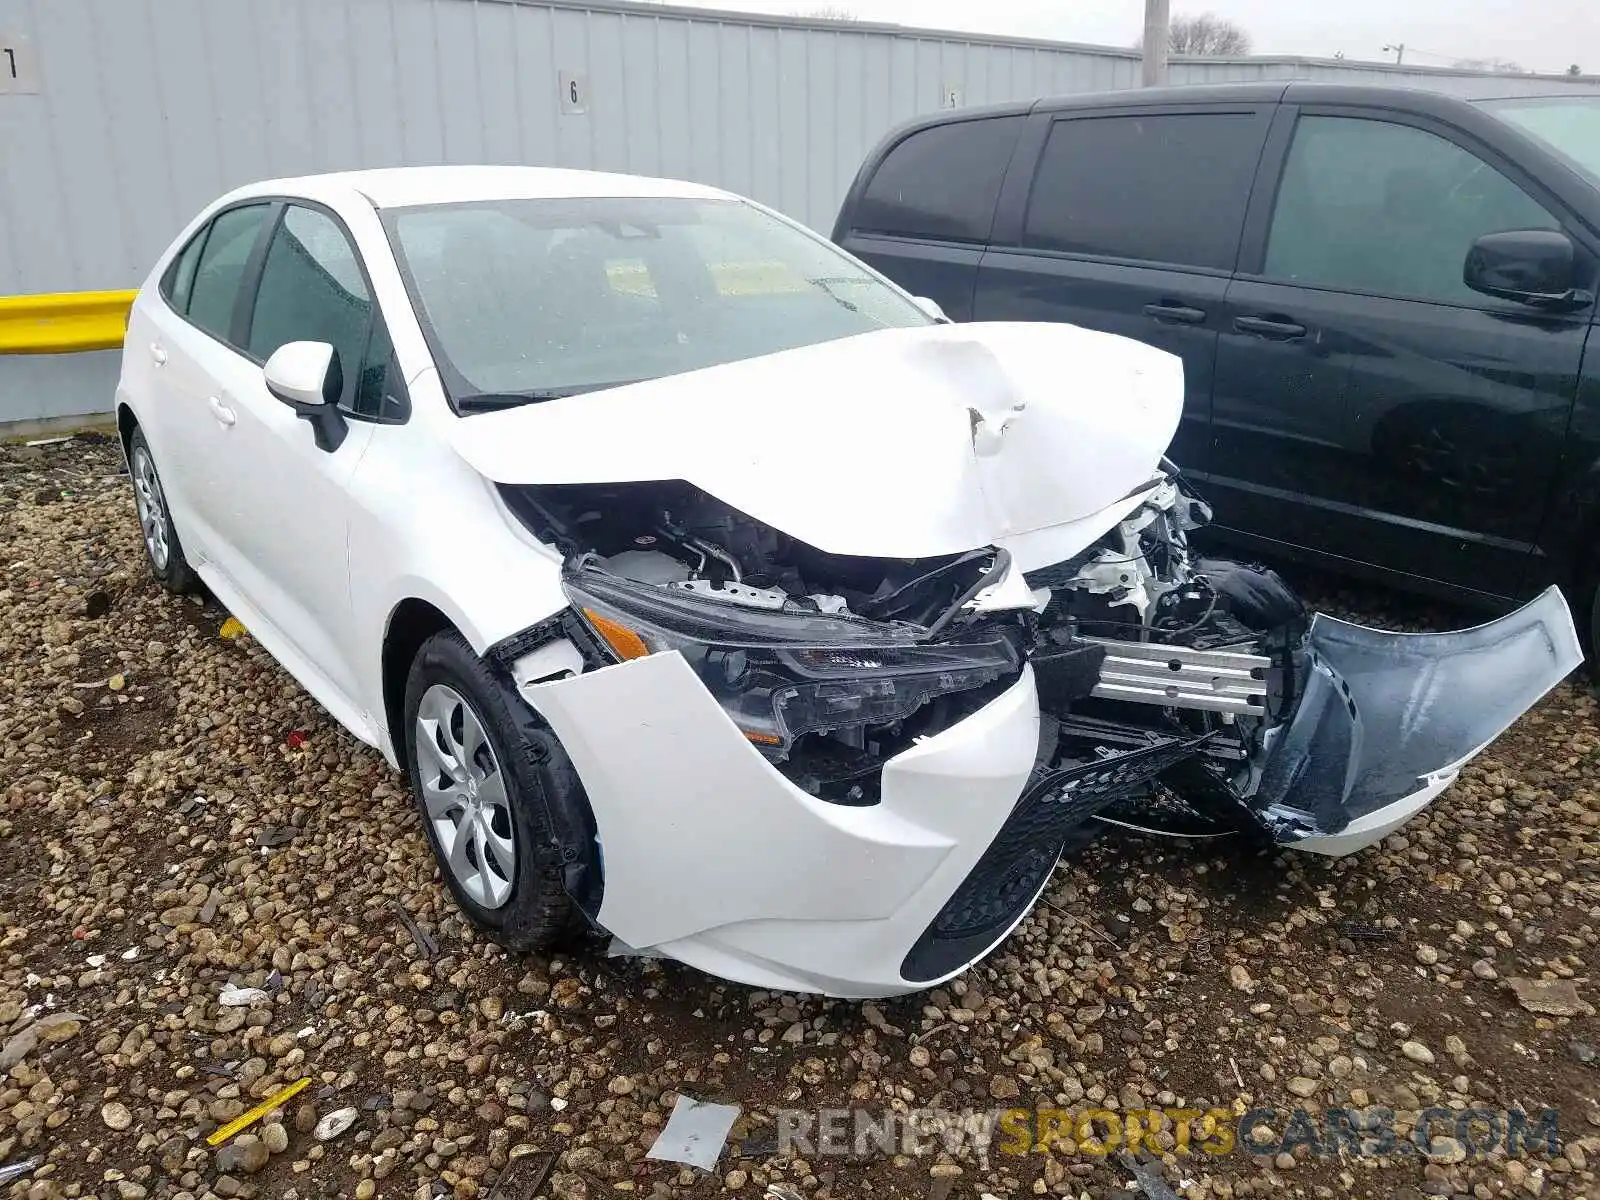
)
(161, 545)
(481, 785)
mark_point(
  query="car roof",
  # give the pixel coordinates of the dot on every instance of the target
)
(1412, 99)
(399, 187)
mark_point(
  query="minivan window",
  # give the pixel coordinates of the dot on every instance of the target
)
(1167, 188)
(215, 291)
(1569, 125)
(941, 182)
(1377, 207)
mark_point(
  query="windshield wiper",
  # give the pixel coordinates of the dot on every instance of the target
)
(824, 284)
(494, 401)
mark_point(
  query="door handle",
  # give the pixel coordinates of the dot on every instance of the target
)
(1181, 314)
(158, 353)
(221, 411)
(1277, 328)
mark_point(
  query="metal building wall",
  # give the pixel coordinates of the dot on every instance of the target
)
(129, 115)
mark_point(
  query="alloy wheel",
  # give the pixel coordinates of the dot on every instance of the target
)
(147, 498)
(465, 796)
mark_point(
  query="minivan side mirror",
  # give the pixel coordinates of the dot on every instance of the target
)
(1537, 267)
(931, 307)
(308, 378)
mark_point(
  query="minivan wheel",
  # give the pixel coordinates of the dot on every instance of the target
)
(1594, 637)
(161, 545)
(481, 787)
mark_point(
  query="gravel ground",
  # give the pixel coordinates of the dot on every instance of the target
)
(178, 816)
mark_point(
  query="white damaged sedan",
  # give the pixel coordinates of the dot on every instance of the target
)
(717, 594)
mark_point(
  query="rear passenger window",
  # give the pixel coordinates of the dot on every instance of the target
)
(1167, 188)
(220, 269)
(177, 283)
(941, 182)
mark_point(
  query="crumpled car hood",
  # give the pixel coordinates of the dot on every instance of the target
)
(900, 443)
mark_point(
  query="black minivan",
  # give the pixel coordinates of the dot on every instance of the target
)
(1382, 299)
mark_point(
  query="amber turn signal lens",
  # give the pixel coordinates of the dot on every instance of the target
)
(618, 636)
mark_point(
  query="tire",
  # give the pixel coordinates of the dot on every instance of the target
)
(521, 904)
(161, 545)
(1593, 648)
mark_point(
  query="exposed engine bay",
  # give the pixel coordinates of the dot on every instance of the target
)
(1135, 643)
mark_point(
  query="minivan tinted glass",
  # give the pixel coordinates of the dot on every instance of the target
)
(1570, 125)
(1378, 207)
(941, 182)
(1167, 188)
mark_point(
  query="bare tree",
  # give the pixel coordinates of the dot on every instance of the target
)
(828, 12)
(1574, 69)
(1207, 36)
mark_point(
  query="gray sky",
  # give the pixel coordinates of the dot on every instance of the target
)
(1541, 35)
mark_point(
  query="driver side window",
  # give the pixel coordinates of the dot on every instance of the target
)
(1377, 207)
(312, 290)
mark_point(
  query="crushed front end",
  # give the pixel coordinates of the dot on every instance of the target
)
(813, 771)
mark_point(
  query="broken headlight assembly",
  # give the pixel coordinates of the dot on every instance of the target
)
(780, 674)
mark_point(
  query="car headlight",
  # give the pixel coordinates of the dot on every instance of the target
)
(778, 673)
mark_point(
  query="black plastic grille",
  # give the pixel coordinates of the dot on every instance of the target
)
(1026, 849)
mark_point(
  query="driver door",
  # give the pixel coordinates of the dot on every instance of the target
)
(283, 504)
(1368, 405)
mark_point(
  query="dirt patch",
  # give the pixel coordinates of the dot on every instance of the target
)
(1155, 976)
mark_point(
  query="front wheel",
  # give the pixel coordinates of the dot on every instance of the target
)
(481, 786)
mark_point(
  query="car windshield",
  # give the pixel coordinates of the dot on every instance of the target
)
(1570, 125)
(526, 300)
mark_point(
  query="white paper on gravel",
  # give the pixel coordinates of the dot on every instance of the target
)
(695, 1133)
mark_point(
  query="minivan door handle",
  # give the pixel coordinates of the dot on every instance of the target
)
(158, 354)
(1181, 314)
(223, 414)
(1279, 329)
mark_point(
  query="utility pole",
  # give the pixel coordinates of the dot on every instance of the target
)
(1399, 52)
(1157, 36)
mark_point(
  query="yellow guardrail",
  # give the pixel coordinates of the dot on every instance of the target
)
(63, 322)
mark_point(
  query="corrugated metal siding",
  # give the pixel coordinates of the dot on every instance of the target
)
(147, 109)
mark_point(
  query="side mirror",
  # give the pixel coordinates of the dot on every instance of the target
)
(308, 378)
(931, 307)
(1537, 267)
(304, 373)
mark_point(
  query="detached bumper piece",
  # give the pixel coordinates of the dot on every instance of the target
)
(1386, 721)
(1015, 868)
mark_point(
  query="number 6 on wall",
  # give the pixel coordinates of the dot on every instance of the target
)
(574, 89)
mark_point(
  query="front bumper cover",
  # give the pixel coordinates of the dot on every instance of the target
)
(712, 857)
(1386, 720)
